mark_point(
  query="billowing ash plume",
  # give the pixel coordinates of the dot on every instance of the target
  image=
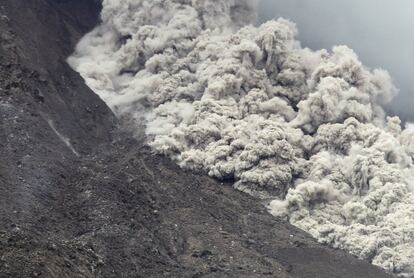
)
(249, 104)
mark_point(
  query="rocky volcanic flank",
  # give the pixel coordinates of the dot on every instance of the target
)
(78, 198)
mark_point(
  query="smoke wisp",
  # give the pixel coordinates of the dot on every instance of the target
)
(250, 105)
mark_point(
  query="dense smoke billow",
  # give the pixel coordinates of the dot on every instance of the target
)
(249, 104)
(380, 31)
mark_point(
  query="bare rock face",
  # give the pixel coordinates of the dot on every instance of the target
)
(80, 198)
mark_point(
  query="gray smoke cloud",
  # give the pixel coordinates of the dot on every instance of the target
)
(380, 31)
(250, 104)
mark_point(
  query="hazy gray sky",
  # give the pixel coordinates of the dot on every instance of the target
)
(380, 31)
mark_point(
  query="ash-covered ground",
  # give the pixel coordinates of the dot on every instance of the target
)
(79, 197)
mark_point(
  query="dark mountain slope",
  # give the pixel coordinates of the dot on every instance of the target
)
(79, 198)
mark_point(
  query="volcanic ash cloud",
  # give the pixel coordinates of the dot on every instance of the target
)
(249, 104)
